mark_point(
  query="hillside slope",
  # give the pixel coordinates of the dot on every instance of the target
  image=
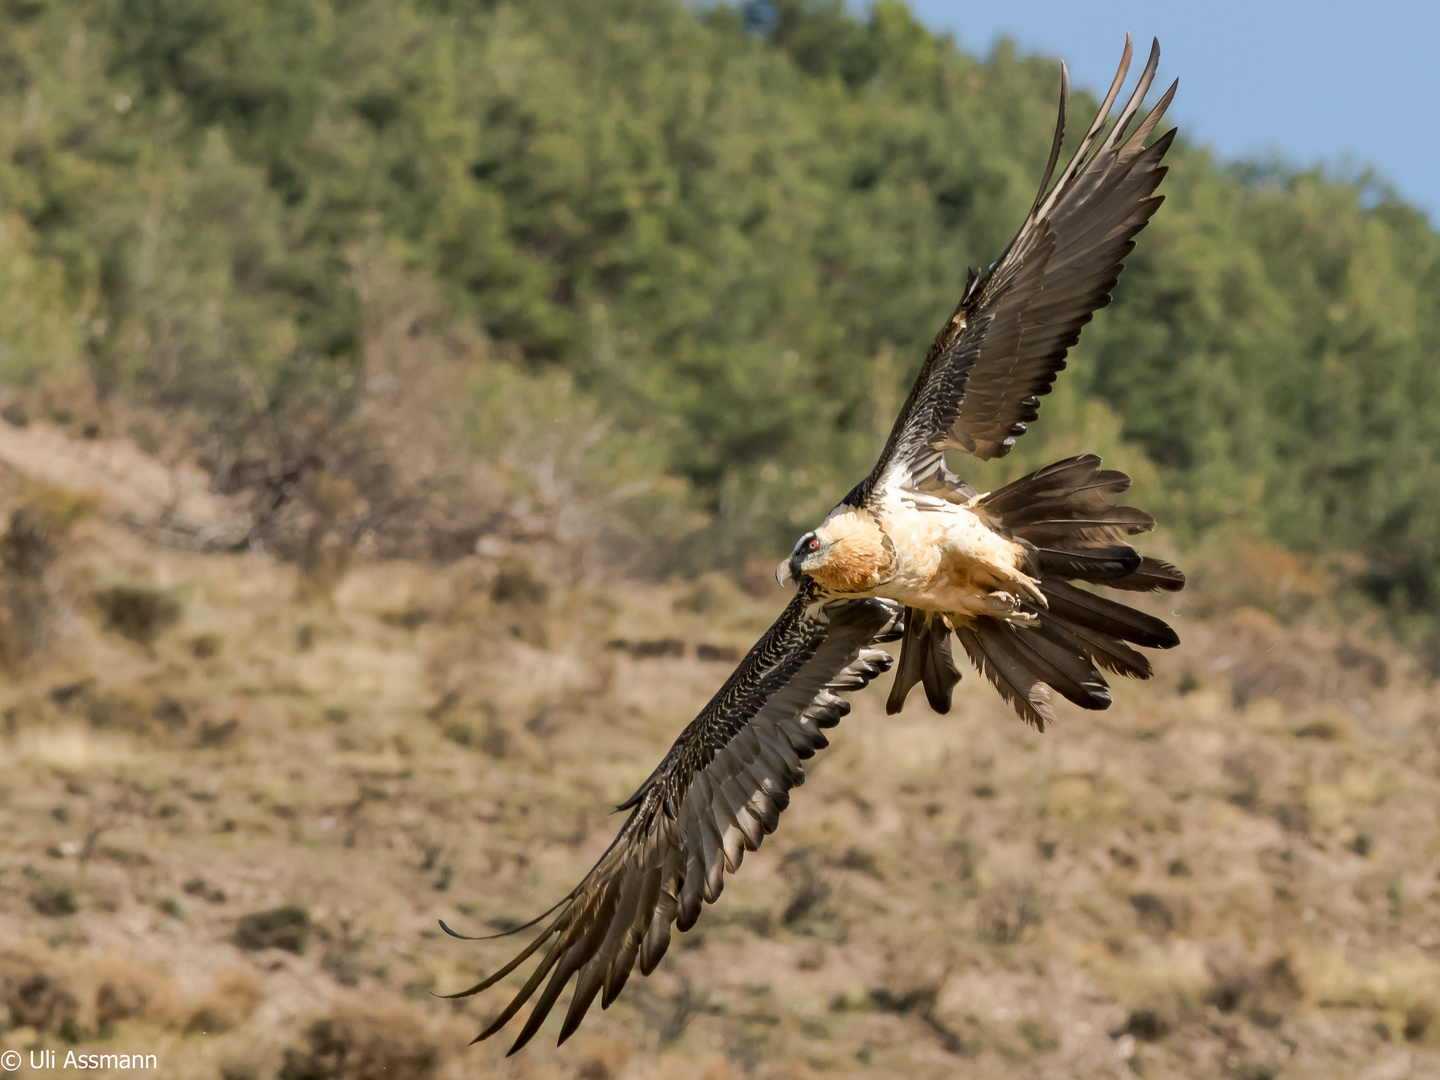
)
(1230, 873)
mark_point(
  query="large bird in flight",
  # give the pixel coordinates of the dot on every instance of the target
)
(912, 553)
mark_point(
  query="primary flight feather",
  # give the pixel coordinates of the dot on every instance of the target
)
(914, 553)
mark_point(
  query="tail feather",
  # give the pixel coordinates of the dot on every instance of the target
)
(911, 667)
(1151, 575)
(1090, 564)
(1061, 514)
(941, 674)
(1066, 502)
(1075, 605)
(1071, 673)
(924, 658)
(1060, 482)
(1017, 683)
(1095, 528)
(1109, 652)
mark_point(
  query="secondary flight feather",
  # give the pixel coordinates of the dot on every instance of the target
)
(912, 553)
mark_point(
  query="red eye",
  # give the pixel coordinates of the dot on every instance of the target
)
(814, 545)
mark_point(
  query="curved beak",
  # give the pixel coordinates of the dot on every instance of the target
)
(785, 573)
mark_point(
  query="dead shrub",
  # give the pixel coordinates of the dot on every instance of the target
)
(206, 646)
(1254, 770)
(393, 466)
(213, 734)
(1007, 912)
(71, 401)
(239, 1067)
(53, 900)
(1040, 1034)
(198, 886)
(29, 605)
(1366, 661)
(82, 996)
(1153, 914)
(116, 712)
(1147, 1025)
(127, 990)
(344, 947)
(605, 1059)
(516, 583)
(649, 650)
(496, 742)
(1266, 992)
(904, 1001)
(39, 988)
(71, 694)
(28, 546)
(1281, 986)
(170, 714)
(809, 891)
(324, 559)
(1419, 1020)
(234, 999)
(857, 858)
(362, 1042)
(279, 928)
(137, 612)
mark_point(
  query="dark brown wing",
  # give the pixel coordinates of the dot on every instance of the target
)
(1001, 350)
(716, 795)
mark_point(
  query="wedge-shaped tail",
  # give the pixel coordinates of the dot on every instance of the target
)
(1073, 533)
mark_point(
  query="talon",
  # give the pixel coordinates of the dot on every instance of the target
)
(1036, 595)
(1031, 588)
(1001, 605)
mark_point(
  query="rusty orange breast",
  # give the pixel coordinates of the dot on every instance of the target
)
(860, 559)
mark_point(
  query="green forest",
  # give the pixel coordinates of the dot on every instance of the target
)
(720, 235)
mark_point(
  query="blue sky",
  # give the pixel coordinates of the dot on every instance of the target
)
(1346, 84)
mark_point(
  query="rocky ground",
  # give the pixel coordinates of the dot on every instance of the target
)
(236, 799)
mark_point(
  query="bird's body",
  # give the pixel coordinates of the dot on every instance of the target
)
(915, 554)
(927, 553)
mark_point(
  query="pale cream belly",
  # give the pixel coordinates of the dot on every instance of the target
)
(949, 561)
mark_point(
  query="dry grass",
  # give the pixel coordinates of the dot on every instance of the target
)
(1230, 873)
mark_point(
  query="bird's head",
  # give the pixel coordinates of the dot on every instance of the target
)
(847, 553)
(810, 553)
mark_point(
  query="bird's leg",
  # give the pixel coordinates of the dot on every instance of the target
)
(1026, 585)
(1006, 605)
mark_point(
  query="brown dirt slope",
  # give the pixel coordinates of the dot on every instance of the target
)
(235, 804)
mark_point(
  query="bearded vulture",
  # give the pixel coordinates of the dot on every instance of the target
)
(912, 553)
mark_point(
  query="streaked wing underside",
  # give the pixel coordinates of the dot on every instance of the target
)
(717, 793)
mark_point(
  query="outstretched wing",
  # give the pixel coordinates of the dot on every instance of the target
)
(986, 370)
(716, 795)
